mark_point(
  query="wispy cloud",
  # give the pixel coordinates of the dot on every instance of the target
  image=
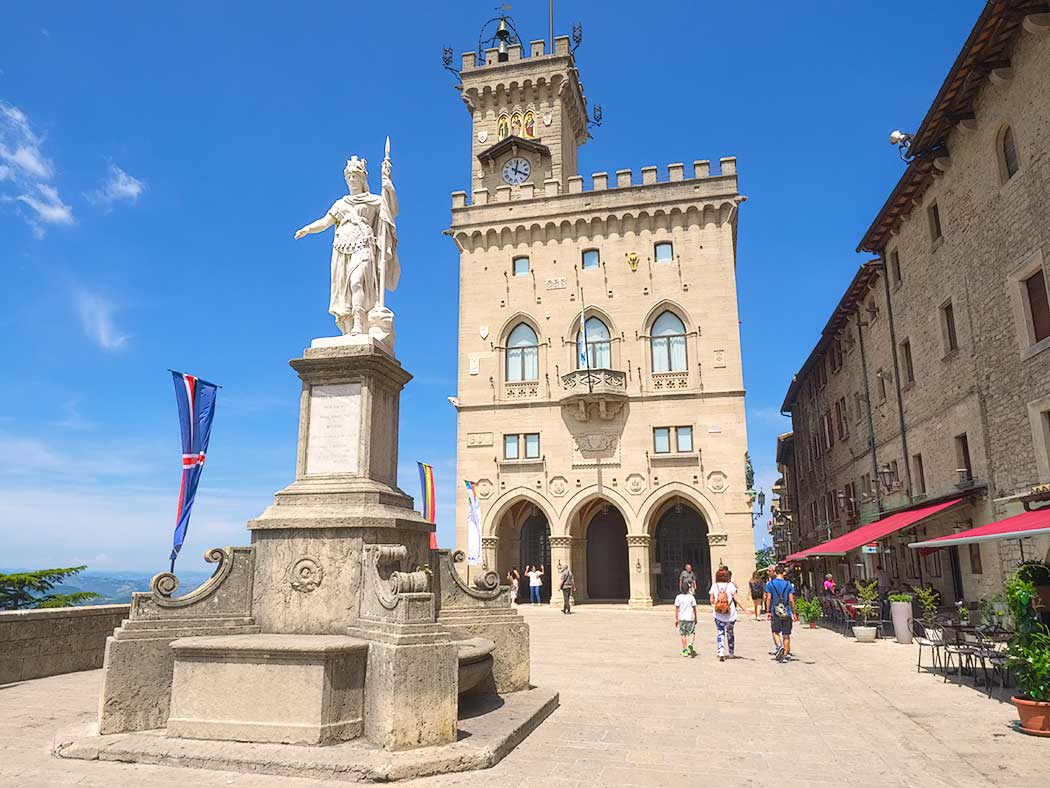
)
(96, 314)
(26, 172)
(72, 418)
(118, 187)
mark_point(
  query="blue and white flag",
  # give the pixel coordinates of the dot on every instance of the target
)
(583, 362)
(473, 525)
(196, 401)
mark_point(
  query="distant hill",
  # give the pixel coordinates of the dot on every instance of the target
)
(115, 588)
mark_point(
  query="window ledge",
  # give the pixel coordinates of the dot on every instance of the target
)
(950, 355)
(675, 458)
(937, 243)
(908, 386)
(520, 463)
(1036, 349)
(897, 285)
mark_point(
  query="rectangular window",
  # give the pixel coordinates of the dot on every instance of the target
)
(962, 458)
(895, 267)
(873, 310)
(663, 252)
(520, 266)
(829, 431)
(933, 564)
(685, 438)
(975, 559)
(880, 384)
(858, 406)
(510, 447)
(908, 367)
(934, 215)
(662, 440)
(919, 474)
(591, 259)
(951, 338)
(1038, 305)
(865, 484)
(532, 446)
(896, 472)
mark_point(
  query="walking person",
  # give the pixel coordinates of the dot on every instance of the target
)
(723, 600)
(686, 578)
(757, 588)
(535, 583)
(567, 584)
(780, 600)
(685, 619)
(513, 579)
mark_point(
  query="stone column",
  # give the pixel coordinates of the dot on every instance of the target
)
(639, 571)
(561, 555)
(490, 554)
(579, 567)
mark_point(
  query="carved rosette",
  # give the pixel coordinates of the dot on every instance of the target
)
(305, 575)
(638, 540)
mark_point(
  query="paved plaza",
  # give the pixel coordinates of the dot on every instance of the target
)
(842, 714)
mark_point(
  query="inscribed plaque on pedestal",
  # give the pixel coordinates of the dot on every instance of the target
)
(333, 436)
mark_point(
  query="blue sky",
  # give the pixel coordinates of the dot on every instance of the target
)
(156, 159)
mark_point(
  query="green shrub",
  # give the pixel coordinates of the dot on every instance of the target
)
(1035, 572)
(929, 599)
(1029, 648)
(868, 593)
(901, 598)
(809, 610)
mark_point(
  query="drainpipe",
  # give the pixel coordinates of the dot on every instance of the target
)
(896, 374)
(871, 421)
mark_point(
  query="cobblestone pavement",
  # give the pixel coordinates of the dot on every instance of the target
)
(635, 713)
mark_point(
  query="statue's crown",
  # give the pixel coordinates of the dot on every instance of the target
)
(353, 165)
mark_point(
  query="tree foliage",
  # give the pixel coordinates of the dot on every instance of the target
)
(765, 557)
(30, 590)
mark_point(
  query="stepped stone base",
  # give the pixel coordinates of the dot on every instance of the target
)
(489, 728)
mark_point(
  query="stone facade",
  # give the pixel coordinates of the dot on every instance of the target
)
(588, 452)
(930, 355)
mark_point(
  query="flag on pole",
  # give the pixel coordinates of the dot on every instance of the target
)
(473, 525)
(426, 484)
(196, 402)
(581, 343)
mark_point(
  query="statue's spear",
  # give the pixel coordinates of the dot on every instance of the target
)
(382, 229)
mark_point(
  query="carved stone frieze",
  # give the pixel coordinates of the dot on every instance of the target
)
(479, 439)
(717, 540)
(560, 541)
(638, 540)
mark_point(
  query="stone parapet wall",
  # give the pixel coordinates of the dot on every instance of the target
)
(38, 643)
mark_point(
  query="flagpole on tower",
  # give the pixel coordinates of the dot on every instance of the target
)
(551, 16)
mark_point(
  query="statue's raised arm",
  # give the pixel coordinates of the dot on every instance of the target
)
(364, 253)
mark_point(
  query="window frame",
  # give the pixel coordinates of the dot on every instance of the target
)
(517, 446)
(933, 219)
(949, 329)
(918, 474)
(1006, 174)
(518, 352)
(656, 448)
(593, 347)
(963, 458)
(1026, 295)
(909, 362)
(514, 265)
(657, 245)
(528, 455)
(583, 259)
(665, 339)
(678, 439)
(976, 562)
(895, 267)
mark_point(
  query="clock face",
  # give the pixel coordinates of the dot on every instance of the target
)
(516, 171)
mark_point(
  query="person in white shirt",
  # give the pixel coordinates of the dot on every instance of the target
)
(685, 619)
(723, 601)
(535, 583)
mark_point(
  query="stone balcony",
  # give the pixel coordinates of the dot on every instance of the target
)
(589, 391)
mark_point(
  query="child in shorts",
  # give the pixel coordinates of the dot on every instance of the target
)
(685, 619)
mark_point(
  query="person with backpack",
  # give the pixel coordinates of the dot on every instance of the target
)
(723, 600)
(780, 601)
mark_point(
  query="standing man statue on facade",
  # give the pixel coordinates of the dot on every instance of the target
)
(364, 253)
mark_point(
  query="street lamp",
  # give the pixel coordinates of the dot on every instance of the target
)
(887, 477)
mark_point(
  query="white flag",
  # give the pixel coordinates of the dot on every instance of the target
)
(473, 525)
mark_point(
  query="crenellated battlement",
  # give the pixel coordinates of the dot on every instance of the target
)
(515, 54)
(600, 182)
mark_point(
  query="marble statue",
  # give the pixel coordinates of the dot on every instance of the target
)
(364, 253)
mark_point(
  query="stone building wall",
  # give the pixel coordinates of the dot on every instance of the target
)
(37, 643)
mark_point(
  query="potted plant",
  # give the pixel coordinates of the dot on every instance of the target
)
(993, 610)
(1038, 574)
(964, 612)
(929, 600)
(1029, 656)
(809, 610)
(900, 612)
(867, 607)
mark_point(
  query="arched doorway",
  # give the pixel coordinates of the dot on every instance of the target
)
(607, 570)
(681, 538)
(535, 550)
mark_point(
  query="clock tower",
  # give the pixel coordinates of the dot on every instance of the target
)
(529, 116)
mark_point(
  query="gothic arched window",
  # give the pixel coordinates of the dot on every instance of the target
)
(523, 354)
(502, 127)
(668, 343)
(529, 121)
(594, 352)
(1008, 150)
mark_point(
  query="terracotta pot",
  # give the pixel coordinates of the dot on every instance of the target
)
(1035, 715)
(812, 624)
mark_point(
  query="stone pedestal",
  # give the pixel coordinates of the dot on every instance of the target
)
(286, 689)
(345, 493)
(639, 571)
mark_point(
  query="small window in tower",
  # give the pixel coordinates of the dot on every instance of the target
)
(664, 252)
(521, 266)
(590, 258)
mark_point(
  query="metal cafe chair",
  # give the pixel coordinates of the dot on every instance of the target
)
(956, 645)
(929, 637)
(990, 649)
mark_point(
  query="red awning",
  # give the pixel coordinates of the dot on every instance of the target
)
(1020, 526)
(872, 532)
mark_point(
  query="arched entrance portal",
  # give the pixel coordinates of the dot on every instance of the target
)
(607, 577)
(535, 551)
(681, 538)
